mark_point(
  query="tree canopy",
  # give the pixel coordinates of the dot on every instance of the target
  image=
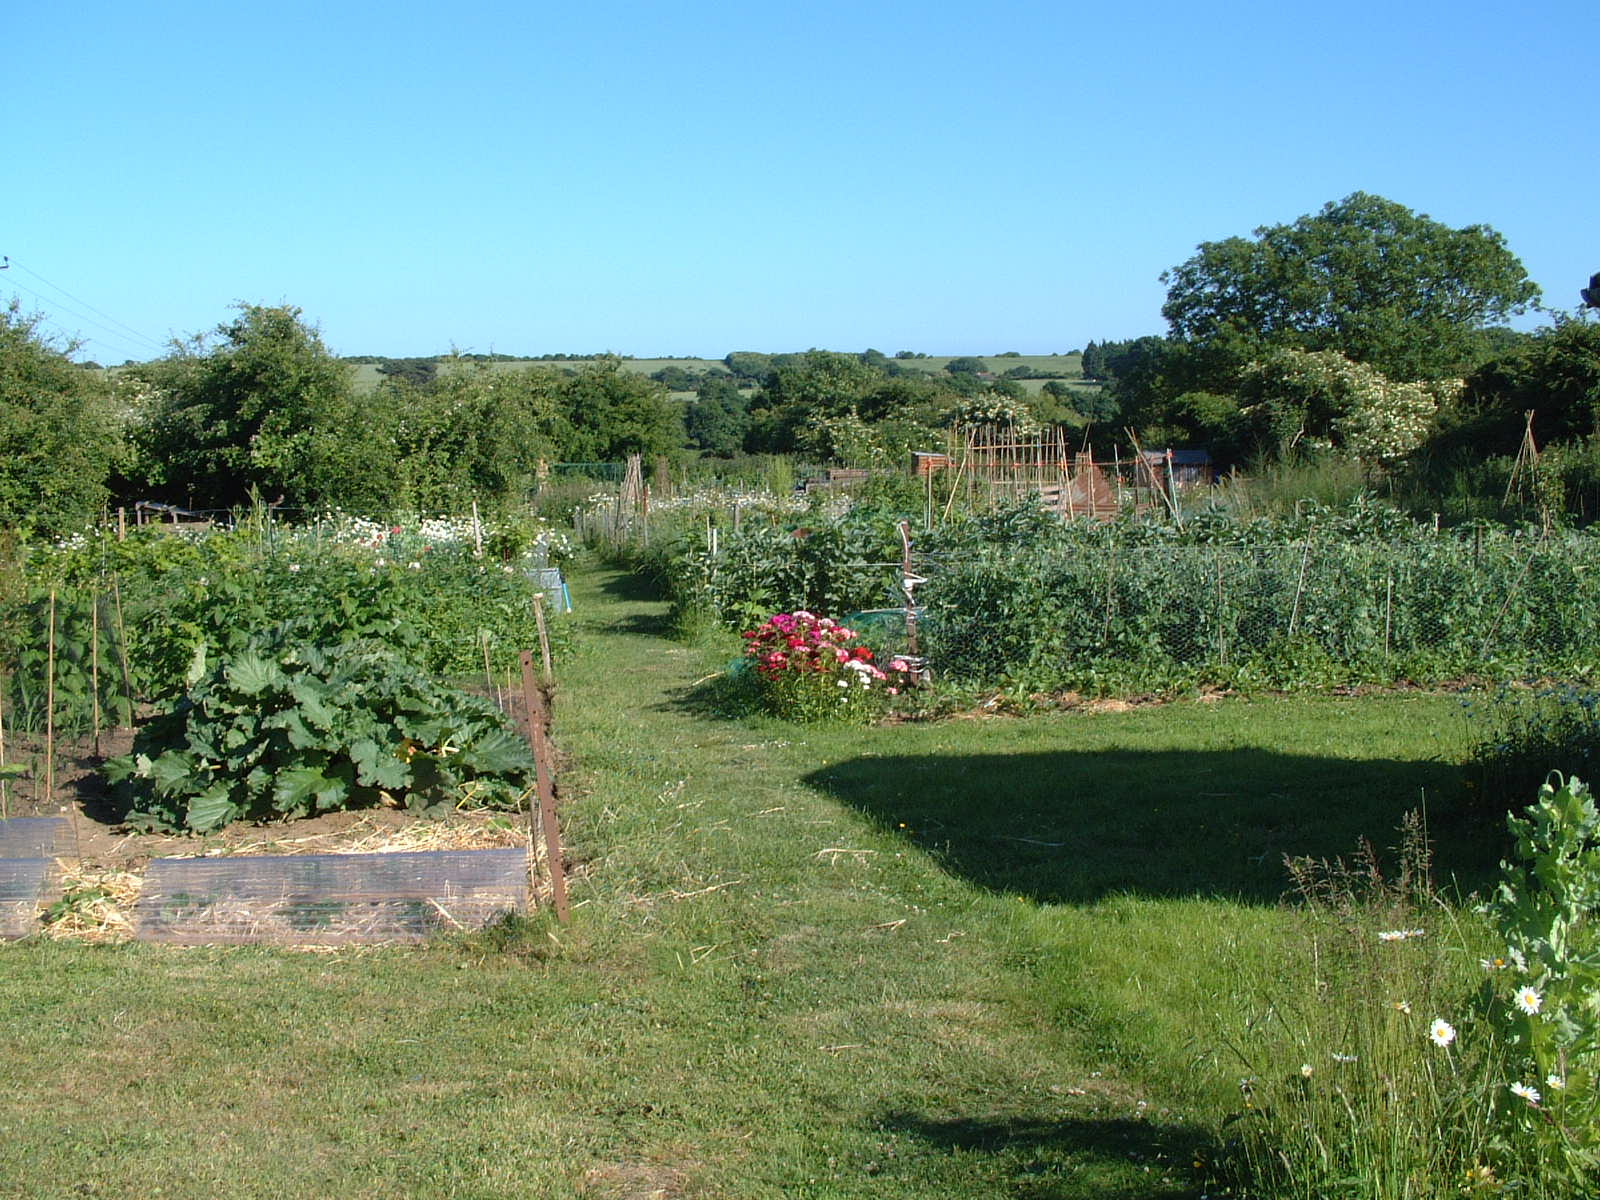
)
(59, 434)
(1366, 277)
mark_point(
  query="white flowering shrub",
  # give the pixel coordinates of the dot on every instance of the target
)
(1323, 396)
(992, 409)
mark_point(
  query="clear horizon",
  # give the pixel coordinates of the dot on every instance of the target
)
(534, 180)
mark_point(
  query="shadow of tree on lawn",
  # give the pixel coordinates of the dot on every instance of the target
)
(1072, 827)
(1070, 1158)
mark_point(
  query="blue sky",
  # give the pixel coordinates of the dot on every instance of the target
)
(691, 179)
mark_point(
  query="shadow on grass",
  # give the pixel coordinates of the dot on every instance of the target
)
(634, 589)
(1070, 1157)
(1073, 827)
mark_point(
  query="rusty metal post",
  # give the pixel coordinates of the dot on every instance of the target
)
(544, 636)
(533, 697)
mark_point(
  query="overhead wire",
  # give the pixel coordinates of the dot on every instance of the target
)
(117, 341)
(159, 345)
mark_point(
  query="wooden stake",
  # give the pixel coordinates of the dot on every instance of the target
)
(122, 650)
(94, 666)
(477, 532)
(533, 697)
(122, 524)
(50, 707)
(5, 788)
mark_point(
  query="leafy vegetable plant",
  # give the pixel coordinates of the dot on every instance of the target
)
(289, 728)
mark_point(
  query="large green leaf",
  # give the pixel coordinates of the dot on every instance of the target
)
(211, 809)
(377, 766)
(497, 751)
(252, 674)
(312, 696)
(170, 772)
(294, 789)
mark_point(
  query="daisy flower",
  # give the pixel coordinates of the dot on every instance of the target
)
(1529, 1000)
(1524, 1092)
(1441, 1032)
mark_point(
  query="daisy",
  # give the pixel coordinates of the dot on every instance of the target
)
(1529, 1000)
(1524, 1092)
(1441, 1032)
(1555, 1082)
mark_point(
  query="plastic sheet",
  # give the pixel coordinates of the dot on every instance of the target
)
(328, 899)
(28, 848)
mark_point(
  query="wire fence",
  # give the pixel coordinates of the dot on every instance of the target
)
(1429, 608)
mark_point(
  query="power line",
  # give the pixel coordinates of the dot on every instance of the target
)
(119, 324)
(106, 328)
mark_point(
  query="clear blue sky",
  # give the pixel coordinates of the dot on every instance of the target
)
(690, 178)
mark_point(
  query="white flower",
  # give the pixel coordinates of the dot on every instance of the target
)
(1529, 1000)
(1516, 957)
(1441, 1032)
(1554, 1082)
(1399, 935)
(844, 683)
(1403, 1006)
(1344, 1058)
(1523, 1091)
(294, 566)
(415, 566)
(1305, 1069)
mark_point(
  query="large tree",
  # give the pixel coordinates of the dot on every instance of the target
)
(1366, 277)
(262, 404)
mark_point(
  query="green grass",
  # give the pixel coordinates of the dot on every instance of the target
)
(804, 962)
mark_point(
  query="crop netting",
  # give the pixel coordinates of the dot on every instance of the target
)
(1284, 614)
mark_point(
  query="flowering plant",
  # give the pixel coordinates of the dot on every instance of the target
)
(813, 668)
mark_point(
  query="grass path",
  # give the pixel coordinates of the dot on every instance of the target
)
(900, 962)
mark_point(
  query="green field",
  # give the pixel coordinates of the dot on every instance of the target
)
(367, 376)
(974, 958)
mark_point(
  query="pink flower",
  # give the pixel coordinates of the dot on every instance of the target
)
(899, 664)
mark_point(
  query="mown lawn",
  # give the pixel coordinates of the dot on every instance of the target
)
(965, 959)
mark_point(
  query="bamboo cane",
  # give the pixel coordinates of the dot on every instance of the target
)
(50, 706)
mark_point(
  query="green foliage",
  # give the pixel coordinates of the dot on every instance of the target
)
(1545, 1001)
(822, 565)
(614, 413)
(1327, 400)
(263, 407)
(718, 419)
(86, 651)
(966, 365)
(1089, 608)
(1522, 734)
(1365, 276)
(288, 727)
(60, 437)
(166, 602)
(1348, 1081)
(1316, 598)
(1554, 374)
(478, 433)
